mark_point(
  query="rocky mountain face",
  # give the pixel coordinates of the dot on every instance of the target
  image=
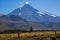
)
(26, 16)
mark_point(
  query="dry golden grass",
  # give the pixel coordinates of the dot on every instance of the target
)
(27, 35)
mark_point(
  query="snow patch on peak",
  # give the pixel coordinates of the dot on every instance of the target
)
(40, 15)
(44, 12)
(40, 12)
(21, 5)
(53, 15)
(27, 2)
(20, 13)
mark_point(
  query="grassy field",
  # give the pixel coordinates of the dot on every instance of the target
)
(30, 36)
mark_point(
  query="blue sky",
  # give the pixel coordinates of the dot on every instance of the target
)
(51, 6)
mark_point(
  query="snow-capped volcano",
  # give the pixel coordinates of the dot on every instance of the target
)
(26, 16)
(30, 14)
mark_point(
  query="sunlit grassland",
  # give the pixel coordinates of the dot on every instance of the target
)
(27, 35)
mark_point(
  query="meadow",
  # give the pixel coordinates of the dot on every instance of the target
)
(46, 35)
